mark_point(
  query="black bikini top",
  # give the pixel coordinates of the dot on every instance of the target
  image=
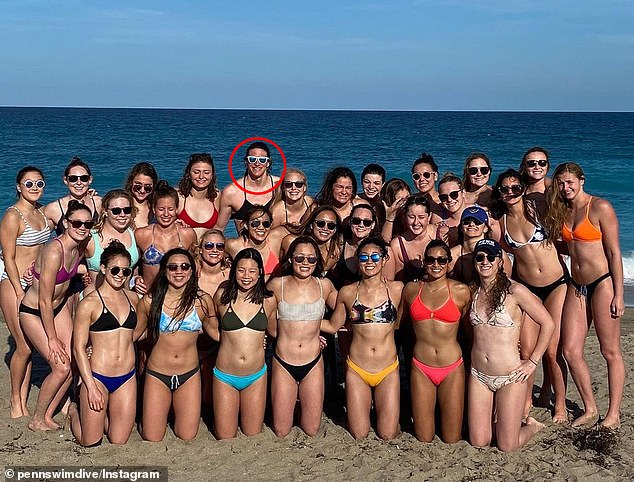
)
(108, 322)
(230, 321)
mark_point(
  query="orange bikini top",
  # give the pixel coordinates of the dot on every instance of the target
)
(585, 231)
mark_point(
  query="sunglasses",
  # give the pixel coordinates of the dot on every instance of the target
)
(115, 270)
(481, 256)
(38, 184)
(258, 159)
(515, 189)
(445, 197)
(300, 258)
(535, 162)
(375, 257)
(441, 260)
(75, 223)
(256, 224)
(468, 221)
(484, 170)
(82, 178)
(138, 187)
(297, 184)
(416, 176)
(320, 223)
(209, 246)
(116, 211)
(175, 267)
(366, 222)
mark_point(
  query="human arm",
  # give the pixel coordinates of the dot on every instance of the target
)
(609, 225)
(226, 208)
(338, 317)
(9, 232)
(210, 320)
(84, 316)
(142, 313)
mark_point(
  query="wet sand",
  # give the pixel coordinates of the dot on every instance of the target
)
(557, 452)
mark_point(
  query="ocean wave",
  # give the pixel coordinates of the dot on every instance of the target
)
(628, 268)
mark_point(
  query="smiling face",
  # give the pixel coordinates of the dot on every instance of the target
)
(451, 196)
(372, 184)
(536, 165)
(371, 267)
(179, 270)
(569, 185)
(417, 219)
(473, 228)
(478, 179)
(78, 181)
(116, 272)
(247, 274)
(324, 226)
(304, 260)
(165, 211)
(436, 261)
(212, 248)
(121, 220)
(294, 186)
(142, 187)
(258, 226)
(342, 190)
(486, 269)
(28, 186)
(511, 191)
(424, 178)
(256, 169)
(361, 222)
(201, 175)
(78, 225)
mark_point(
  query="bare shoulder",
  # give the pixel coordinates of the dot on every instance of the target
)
(602, 206)
(411, 290)
(327, 285)
(460, 289)
(395, 286)
(274, 284)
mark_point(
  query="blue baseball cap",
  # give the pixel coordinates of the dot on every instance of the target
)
(475, 212)
(488, 245)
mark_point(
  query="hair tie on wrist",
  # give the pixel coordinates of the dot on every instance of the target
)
(532, 361)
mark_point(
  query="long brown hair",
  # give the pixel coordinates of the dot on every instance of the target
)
(557, 207)
(499, 289)
(185, 184)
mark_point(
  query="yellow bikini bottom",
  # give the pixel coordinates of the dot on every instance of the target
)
(372, 379)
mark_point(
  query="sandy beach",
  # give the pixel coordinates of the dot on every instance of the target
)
(556, 453)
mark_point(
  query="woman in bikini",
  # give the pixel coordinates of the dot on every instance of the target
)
(439, 374)
(475, 178)
(198, 193)
(105, 320)
(257, 234)
(173, 314)
(590, 229)
(452, 202)
(155, 239)
(406, 263)
(339, 191)
(534, 172)
(24, 231)
(236, 203)
(498, 383)
(115, 223)
(140, 183)
(44, 314)
(370, 306)
(244, 307)
(324, 227)
(298, 369)
(425, 176)
(290, 210)
(537, 266)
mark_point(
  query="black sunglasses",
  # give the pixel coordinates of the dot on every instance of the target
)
(515, 189)
(138, 187)
(115, 270)
(209, 246)
(366, 222)
(416, 176)
(82, 178)
(320, 223)
(300, 258)
(75, 223)
(481, 256)
(484, 170)
(469, 220)
(441, 260)
(445, 197)
(183, 267)
(297, 184)
(535, 162)
(256, 223)
(125, 210)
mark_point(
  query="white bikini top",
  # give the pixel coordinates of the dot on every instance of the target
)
(302, 311)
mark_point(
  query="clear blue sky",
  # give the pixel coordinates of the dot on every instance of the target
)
(327, 54)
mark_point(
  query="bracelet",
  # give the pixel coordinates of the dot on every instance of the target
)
(532, 361)
(389, 220)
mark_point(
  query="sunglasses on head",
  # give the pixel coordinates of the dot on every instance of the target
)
(209, 246)
(481, 256)
(75, 223)
(258, 159)
(484, 170)
(445, 197)
(138, 187)
(115, 270)
(468, 221)
(30, 183)
(417, 175)
(366, 222)
(321, 223)
(256, 223)
(300, 258)
(82, 178)
(297, 184)
(535, 162)
(375, 257)
(117, 211)
(441, 260)
(514, 189)
(175, 267)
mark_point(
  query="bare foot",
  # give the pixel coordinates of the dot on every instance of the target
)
(611, 424)
(561, 416)
(53, 425)
(589, 418)
(527, 412)
(72, 414)
(38, 425)
(533, 426)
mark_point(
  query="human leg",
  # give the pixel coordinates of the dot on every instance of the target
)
(554, 363)
(510, 434)
(358, 403)
(387, 402)
(480, 412)
(186, 402)
(528, 339)
(451, 400)
(284, 391)
(122, 412)
(253, 406)
(424, 394)
(311, 398)
(226, 401)
(157, 400)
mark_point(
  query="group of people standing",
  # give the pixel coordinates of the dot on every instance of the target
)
(461, 281)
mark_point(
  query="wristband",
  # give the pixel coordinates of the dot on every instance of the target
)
(532, 361)
(389, 220)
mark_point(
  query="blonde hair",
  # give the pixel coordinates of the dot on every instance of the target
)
(105, 205)
(556, 214)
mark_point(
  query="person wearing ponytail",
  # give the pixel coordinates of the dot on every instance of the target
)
(590, 230)
(155, 239)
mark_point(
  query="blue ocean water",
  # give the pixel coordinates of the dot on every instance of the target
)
(112, 140)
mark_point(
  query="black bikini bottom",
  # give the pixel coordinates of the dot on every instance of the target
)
(542, 292)
(298, 372)
(173, 381)
(588, 290)
(36, 312)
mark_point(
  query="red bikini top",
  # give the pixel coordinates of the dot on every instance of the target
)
(185, 217)
(447, 313)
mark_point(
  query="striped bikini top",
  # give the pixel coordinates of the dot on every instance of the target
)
(302, 311)
(30, 236)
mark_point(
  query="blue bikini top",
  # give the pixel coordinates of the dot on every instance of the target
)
(191, 322)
